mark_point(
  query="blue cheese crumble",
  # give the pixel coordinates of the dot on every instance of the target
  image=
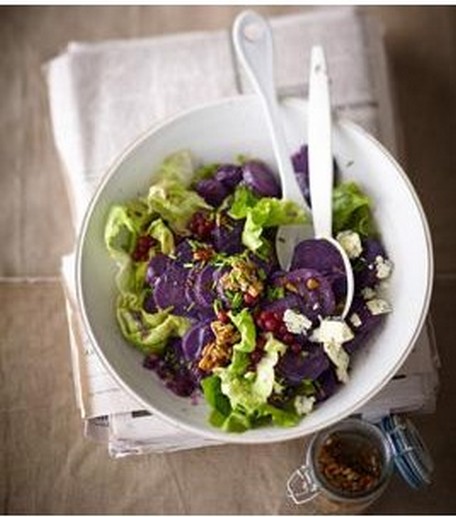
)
(295, 322)
(333, 333)
(351, 243)
(304, 404)
(383, 267)
(378, 306)
(355, 320)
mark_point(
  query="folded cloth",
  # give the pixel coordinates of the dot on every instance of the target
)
(104, 95)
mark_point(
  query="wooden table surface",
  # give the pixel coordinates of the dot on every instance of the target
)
(45, 464)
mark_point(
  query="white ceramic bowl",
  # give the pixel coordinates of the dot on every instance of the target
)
(219, 132)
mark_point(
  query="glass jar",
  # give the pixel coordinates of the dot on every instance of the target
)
(348, 466)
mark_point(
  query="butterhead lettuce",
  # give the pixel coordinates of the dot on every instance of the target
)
(148, 332)
(239, 398)
(261, 213)
(352, 210)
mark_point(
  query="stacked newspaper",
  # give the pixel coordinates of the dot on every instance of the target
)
(103, 95)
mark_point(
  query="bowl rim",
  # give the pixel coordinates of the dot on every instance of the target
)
(276, 434)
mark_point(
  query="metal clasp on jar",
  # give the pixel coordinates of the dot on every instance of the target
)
(301, 487)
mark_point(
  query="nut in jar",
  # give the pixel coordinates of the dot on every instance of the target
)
(347, 467)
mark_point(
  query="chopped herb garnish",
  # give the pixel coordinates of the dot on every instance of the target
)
(275, 293)
(261, 273)
(193, 244)
(237, 300)
(217, 306)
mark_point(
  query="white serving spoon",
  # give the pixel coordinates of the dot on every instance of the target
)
(321, 174)
(252, 40)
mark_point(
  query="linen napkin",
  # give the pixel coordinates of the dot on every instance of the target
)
(103, 95)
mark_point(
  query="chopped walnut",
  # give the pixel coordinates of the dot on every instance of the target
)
(225, 333)
(312, 283)
(218, 352)
(212, 356)
(291, 287)
(243, 277)
(203, 253)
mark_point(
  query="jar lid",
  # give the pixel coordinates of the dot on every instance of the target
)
(411, 456)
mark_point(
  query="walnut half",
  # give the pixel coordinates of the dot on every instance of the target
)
(218, 352)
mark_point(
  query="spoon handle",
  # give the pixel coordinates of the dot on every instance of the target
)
(252, 39)
(319, 140)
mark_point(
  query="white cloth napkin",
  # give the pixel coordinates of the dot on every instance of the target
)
(103, 95)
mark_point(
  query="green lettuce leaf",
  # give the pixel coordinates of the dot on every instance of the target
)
(286, 417)
(261, 213)
(238, 400)
(177, 167)
(158, 230)
(244, 200)
(170, 196)
(249, 392)
(174, 203)
(130, 277)
(220, 404)
(120, 234)
(124, 224)
(243, 321)
(237, 422)
(148, 332)
(352, 210)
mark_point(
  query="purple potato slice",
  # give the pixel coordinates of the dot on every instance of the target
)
(184, 252)
(156, 267)
(314, 289)
(365, 271)
(317, 254)
(326, 384)
(212, 191)
(321, 255)
(195, 339)
(259, 177)
(204, 287)
(290, 301)
(368, 324)
(294, 368)
(229, 175)
(169, 290)
(227, 238)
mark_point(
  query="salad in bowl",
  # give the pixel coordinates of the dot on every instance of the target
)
(176, 252)
(202, 296)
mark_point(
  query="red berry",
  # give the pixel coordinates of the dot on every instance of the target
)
(288, 338)
(249, 299)
(143, 242)
(282, 329)
(260, 324)
(201, 225)
(271, 325)
(261, 315)
(208, 225)
(257, 319)
(137, 255)
(256, 356)
(223, 317)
